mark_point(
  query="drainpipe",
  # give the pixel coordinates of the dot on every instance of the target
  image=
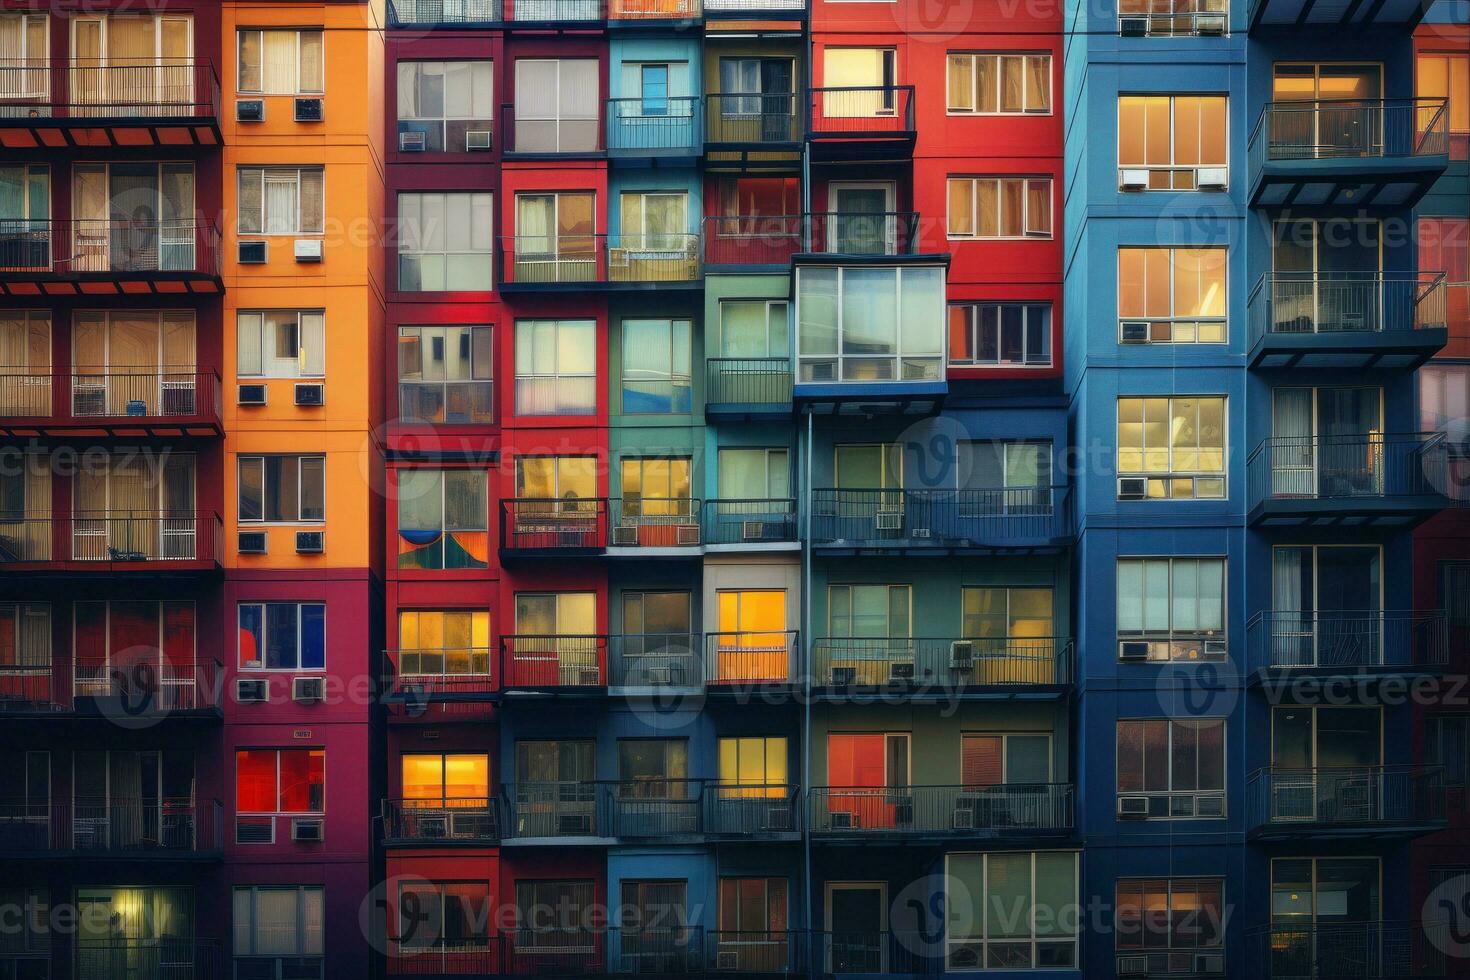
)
(806, 688)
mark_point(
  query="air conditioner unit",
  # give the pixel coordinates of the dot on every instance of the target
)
(686, 534)
(308, 829)
(962, 654)
(251, 543)
(1208, 963)
(1133, 806)
(963, 818)
(437, 827)
(843, 820)
(1214, 649)
(1132, 487)
(920, 532)
(410, 142)
(625, 536)
(252, 252)
(1133, 651)
(901, 672)
(255, 830)
(1132, 966)
(727, 959)
(308, 249)
(311, 542)
(776, 818)
(590, 677)
(844, 676)
(1133, 331)
(1209, 806)
(1211, 178)
(308, 690)
(308, 110)
(250, 395)
(310, 395)
(1133, 26)
(1209, 25)
(574, 823)
(476, 140)
(1133, 180)
(252, 690)
(662, 674)
(250, 110)
(887, 520)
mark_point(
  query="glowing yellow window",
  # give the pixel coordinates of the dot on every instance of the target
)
(753, 766)
(446, 780)
(752, 636)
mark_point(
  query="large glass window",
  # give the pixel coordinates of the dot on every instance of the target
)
(25, 72)
(443, 519)
(1171, 296)
(656, 486)
(751, 645)
(1000, 207)
(870, 323)
(282, 635)
(1447, 744)
(653, 767)
(556, 367)
(754, 474)
(114, 638)
(281, 344)
(1445, 75)
(279, 932)
(1023, 912)
(656, 378)
(281, 200)
(1171, 448)
(25, 360)
(446, 779)
(557, 106)
(136, 217)
(1016, 759)
(453, 916)
(445, 375)
(556, 478)
(1005, 84)
(280, 62)
(1171, 138)
(1005, 477)
(280, 781)
(282, 489)
(998, 613)
(1000, 334)
(444, 641)
(654, 220)
(1167, 918)
(754, 328)
(878, 611)
(859, 82)
(440, 103)
(25, 649)
(1176, 18)
(555, 238)
(1170, 769)
(758, 761)
(1171, 608)
(444, 242)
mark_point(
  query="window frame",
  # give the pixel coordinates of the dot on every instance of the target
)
(472, 331)
(278, 812)
(442, 122)
(902, 353)
(982, 903)
(560, 118)
(770, 307)
(973, 328)
(32, 65)
(1434, 742)
(244, 459)
(1173, 167)
(437, 941)
(1170, 475)
(301, 33)
(997, 57)
(1168, 639)
(1174, 317)
(317, 333)
(298, 172)
(303, 934)
(525, 328)
(453, 202)
(444, 501)
(673, 377)
(999, 180)
(1197, 724)
(1131, 943)
(263, 605)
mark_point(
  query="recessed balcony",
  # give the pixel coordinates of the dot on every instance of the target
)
(180, 401)
(440, 674)
(1374, 801)
(752, 121)
(111, 542)
(147, 685)
(940, 668)
(655, 662)
(1347, 320)
(553, 527)
(105, 257)
(460, 822)
(558, 663)
(571, 263)
(756, 525)
(654, 526)
(108, 829)
(63, 107)
(164, 958)
(663, 128)
(1394, 479)
(866, 813)
(737, 662)
(1339, 948)
(1349, 153)
(864, 122)
(1016, 520)
(1346, 644)
(748, 388)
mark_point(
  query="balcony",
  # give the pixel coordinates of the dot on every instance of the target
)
(558, 527)
(144, 687)
(177, 402)
(507, 14)
(632, 12)
(863, 233)
(167, 958)
(572, 263)
(1015, 520)
(1334, 644)
(1347, 320)
(439, 674)
(1337, 949)
(111, 542)
(437, 823)
(738, 663)
(758, 9)
(656, 661)
(553, 663)
(654, 526)
(868, 122)
(99, 257)
(1285, 804)
(865, 813)
(664, 128)
(753, 121)
(770, 811)
(555, 809)
(1392, 480)
(63, 107)
(1289, 15)
(103, 829)
(754, 525)
(1351, 154)
(1009, 668)
(433, 13)
(747, 388)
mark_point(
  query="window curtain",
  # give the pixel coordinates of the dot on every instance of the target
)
(278, 62)
(1292, 600)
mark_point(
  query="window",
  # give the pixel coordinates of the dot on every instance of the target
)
(751, 644)
(280, 781)
(279, 932)
(282, 489)
(443, 519)
(859, 82)
(25, 197)
(653, 768)
(1170, 769)
(23, 38)
(1174, 607)
(450, 916)
(25, 786)
(1000, 334)
(444, 242)
(1006, 84)
(121, 635)
(756, 761)
(657, 487)
(754, 328)
(1171, 138)
(556, 367)
(554, 915)
(445, 375)
(753, 922)
(870, 323)
(655, 907)
(872, 611)
(1444, 398)
(25, 355)
(282, 635)
(444, 641)
(281, 200)
(278, 62)
(555, 238)
(132, 217)
(437, 779)
(656, 373)
(1171, 448)
(999, 207)
(26, 944)
(1164, 918)
(556, 478)
(1441, 75)
(25, 642)
(1171, 295)
(1454, 595)
(655, 220)
(1023, 913)
(1175, 18)
(1017, 476)
(1015, 759)
(557, 106)
(754, 474)
(1011, 614)
(281, 344)
(656, 634)
(443, 101)
(1446, 745)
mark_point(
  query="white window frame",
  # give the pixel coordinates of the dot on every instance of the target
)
(309, 333)
(262, 31)
(1162, 643)
(900, 354)
(279, 174)
(1175, 318)
(997, 56)
(32, 68)
(252, 458)
(1172, 474)
(453, 202)
(1173, 166)
(262, 605)
(1028, 233)
(557, 374)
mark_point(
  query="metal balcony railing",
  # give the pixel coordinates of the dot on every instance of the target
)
(943, 664)
(753, 240)
(446, 402)
(173, 393)
(1361, 796)
(654, 125)
(164, 958)
(862, 111)
(751, 810)
(564, 808)
(408, 13)
(146, 682)
(111, 537)
(753, 952)
(753, 118)
(545, 260)
(749, 382)
(743, 659)
(440, 673)
(1332, 950)
(654, 522)
(553, 660)
(31, 688)
(458, 819)
(1181, 18)
(654, 809)
(1348, 467)
(864, 233)
(750, 522)
(1288, 304)
(554, 524)
(653, 9)
(657, 660)
(107, 94)
(981, 517)
(97, 825)
(98, 246)
(754, 6)
(1347, 640)
(431, 955)
(865, 810)
(1345, 130)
